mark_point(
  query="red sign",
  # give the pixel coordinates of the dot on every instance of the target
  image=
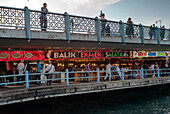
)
(4, 56)
(21, 55)
(90, 54)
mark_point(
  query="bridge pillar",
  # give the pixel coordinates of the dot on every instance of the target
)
(122, 31)
(141, 33)
(158, 36)
(67, 26)
(27, 23)
(98, 30)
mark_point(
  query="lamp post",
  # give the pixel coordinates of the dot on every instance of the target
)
(159, 21)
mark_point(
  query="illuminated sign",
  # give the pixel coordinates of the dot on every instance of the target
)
(151, 54)
(54, 55)
(117, 54)
(90, 54)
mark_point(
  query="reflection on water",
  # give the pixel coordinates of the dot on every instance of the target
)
(146, 100)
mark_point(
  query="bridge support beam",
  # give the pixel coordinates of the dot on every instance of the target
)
(158, 36)
(67, 26)
(27, 23)
(122, 31)
(141, 33)
(98, 30)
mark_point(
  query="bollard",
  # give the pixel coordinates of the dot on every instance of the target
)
(122, 74)
(98, 75)
(67, 77)
(142, 77)
(26, 80)
(158, 73)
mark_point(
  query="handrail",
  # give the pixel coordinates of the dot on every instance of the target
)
(97, 75)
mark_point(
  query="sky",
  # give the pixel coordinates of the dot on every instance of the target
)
(146, 12)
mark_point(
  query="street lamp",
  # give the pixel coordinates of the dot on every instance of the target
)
(159, 22)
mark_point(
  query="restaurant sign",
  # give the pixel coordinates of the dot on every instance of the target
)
(21, 55)
(54, 55)
(151, 54)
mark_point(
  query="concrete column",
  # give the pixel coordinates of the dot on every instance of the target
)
(122, 31)
(141, 33)
(67, 26)
(97, 29)
(27, 23)
(158, 36)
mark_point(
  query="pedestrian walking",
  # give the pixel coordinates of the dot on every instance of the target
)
(38, 68)
(50, 69)
(145, 67)
(20, 68)
(135, 68)
(87, 69)
(152, 67)
(108, 71)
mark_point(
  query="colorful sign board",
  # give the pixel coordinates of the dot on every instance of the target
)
(55, 55)
(21, 55)
(151, 54)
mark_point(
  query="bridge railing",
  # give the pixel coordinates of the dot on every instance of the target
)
(33, 20)
(12, 17)
(54, 21)
(83, 76)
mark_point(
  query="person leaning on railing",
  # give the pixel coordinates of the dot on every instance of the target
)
(103, 23)
(43, 17)
(129, 28)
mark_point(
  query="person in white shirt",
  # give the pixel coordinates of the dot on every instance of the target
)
(108, 71)
(20, 68)
(152, 67)
(50, 68)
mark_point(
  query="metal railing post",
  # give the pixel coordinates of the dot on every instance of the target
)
(67, 77)
(158, 73)
(98, 30)
(122, 74)
(169, 35)
(98, 75)
(27, 23)
(141, 33)
(67, 26)
(26, 79)
(142, 77)
(158, 36)
(122, 31)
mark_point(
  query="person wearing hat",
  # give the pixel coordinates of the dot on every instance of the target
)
(50, 69)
